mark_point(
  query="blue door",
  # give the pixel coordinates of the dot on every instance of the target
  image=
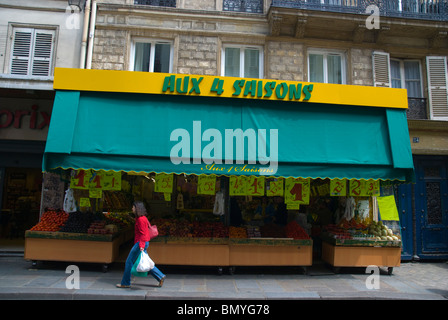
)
(403, 197)
(431, 207)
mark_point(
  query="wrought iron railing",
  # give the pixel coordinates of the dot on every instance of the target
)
(250, 6)
(416, 9)
(417, 109)
(158, 3)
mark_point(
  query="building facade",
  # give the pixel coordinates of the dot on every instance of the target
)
(397, 43)
(35, 37)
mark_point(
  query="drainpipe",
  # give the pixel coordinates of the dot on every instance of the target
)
(91, 35)
(85, 30)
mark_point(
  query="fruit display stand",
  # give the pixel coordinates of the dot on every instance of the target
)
(270, 252)
(75, 247)
(231, 249)
(361, 253)
(190, 251)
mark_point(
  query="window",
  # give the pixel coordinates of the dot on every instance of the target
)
(326, 67)
(32, 52)
(152, 56)
(406, 74)
(242, 61)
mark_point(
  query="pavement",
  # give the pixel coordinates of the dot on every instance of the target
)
(20, 280)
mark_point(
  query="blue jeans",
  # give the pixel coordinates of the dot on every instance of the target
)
(132, 257)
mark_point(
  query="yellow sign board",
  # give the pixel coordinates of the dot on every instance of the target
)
(228, 87)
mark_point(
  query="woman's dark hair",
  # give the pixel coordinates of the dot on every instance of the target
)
(140, 209)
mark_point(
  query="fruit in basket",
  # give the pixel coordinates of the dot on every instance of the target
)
(381, 231)
(237, 232)
(51, 220)
(295, 231)
(77, 222)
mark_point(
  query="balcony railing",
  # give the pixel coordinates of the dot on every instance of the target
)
(250, 6)
(157, 3)
(417, 109)
(415, 9)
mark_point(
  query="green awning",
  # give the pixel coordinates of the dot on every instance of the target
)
(199, 135)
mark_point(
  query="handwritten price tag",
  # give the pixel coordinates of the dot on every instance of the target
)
(111, 180)
(164, 183)
(372, 188)
(101, 180)
(255, 186)
(207, 184)
(338, 187)
(84, 202)
(297, 190)
(81, 179)
(363, 188)
(238, 185)
(275, 188)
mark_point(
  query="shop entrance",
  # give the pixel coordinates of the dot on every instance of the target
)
(20, 194)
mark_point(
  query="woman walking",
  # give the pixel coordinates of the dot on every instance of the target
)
(141, 242)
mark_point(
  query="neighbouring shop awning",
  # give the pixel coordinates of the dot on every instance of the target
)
(101, 127)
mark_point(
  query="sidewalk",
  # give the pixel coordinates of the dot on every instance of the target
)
(412, 280)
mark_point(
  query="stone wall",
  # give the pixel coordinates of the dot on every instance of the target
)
(197, 55)
(197, 45)
(361, 67)
(284, 60)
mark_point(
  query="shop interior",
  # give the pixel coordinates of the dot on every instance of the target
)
(20, 195)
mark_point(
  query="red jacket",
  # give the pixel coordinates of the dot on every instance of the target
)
(141, 231)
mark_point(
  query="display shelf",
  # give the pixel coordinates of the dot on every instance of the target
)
(361, 256)
(74, 247)
(270, 241)
(360, 242)
(189, 240)
(71, 235)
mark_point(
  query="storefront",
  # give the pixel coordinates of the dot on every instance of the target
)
(24, 121)
(233, 171)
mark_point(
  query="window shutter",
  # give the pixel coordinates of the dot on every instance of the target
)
(42, 53)
(21, 51)
(381, 69)
(437, 87)
(32, 52)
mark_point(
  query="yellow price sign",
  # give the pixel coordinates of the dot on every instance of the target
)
(292, 206)
(81, 179)
(95, 193)
(297, 190)
(276, 188)
(255, 186)
(363, 188)
(372, 188)
(207, 184)
(338, 187)
(111, 180)
(238, 185)
(164, 183)
(84, 202)
(102, 180)
(356, 187)
(388, 208)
